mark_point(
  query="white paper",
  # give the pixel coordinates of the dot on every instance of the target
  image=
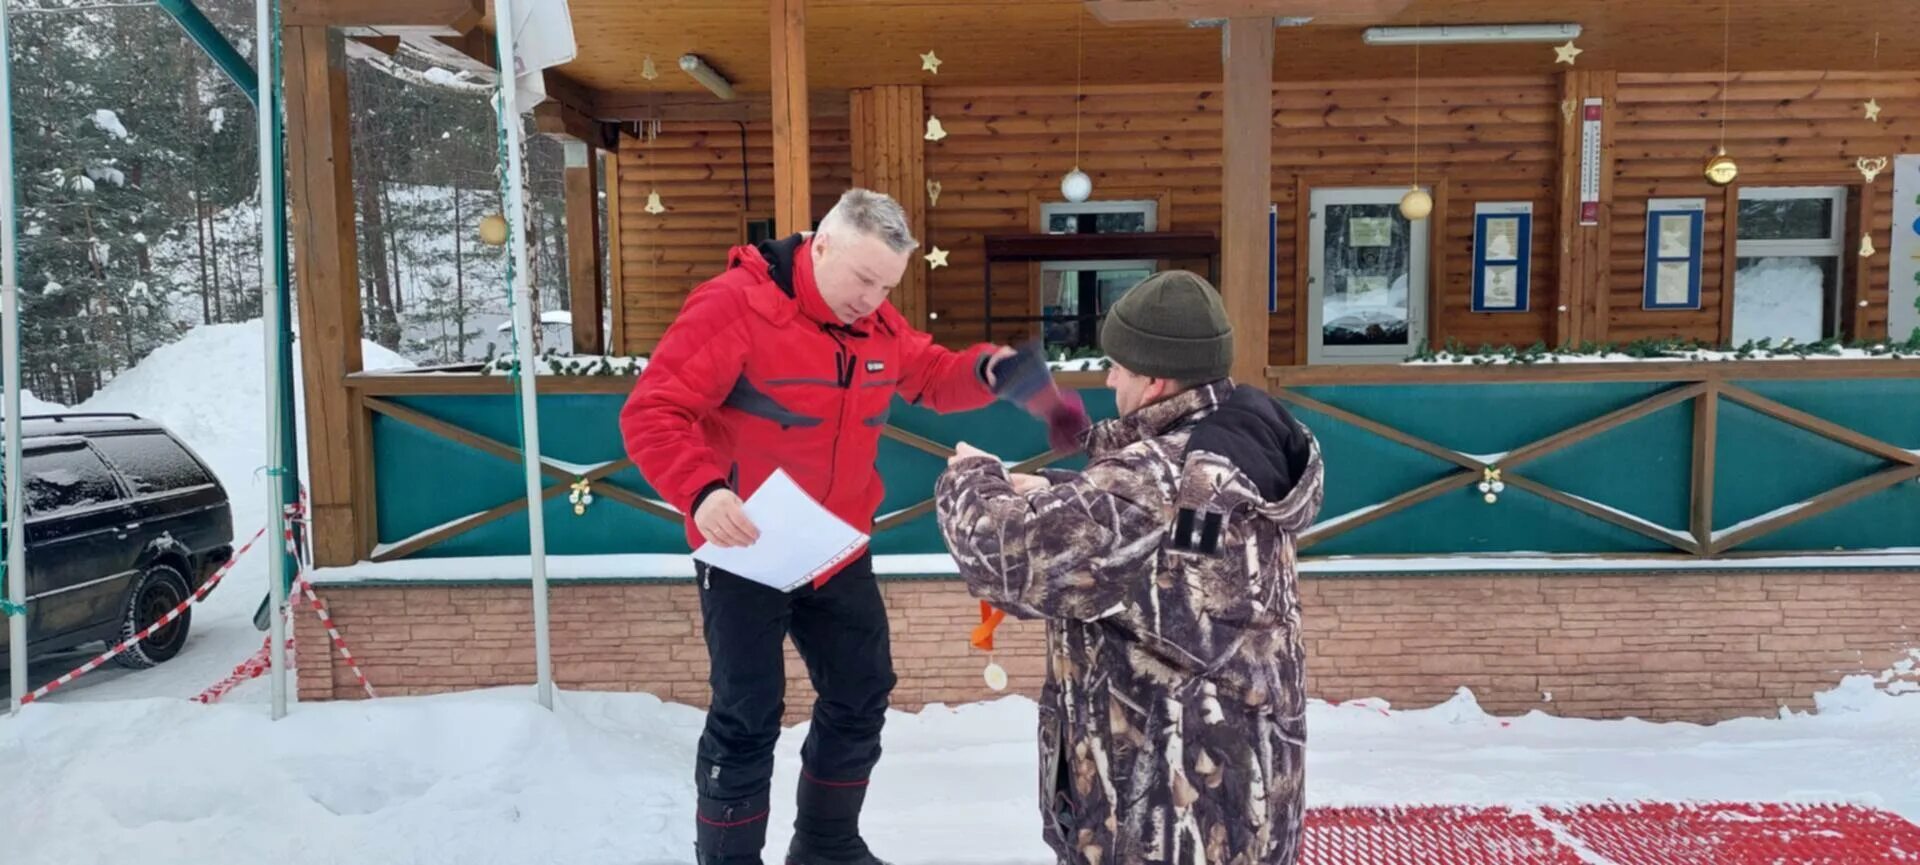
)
(1676, 236)
(543, 38)
(1674, 284)
(799, 539)
(1502, 287)
(1370, 231)
(1503, 239)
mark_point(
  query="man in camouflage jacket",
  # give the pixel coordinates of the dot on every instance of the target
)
(1172, 722)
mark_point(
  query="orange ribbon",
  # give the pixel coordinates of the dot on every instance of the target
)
(983, 634)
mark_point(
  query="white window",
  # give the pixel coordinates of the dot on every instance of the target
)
(1075, 295)
(1786, 284)
(1366, 277)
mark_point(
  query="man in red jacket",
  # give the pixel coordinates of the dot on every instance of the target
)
(790, 360)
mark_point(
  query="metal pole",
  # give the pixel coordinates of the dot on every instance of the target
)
(510, 124)
(267, 49)
(10, 308)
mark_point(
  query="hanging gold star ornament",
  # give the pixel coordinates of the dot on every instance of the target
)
(1873, 109)
(1870, 168)
(933, 193)
(936, 259)
(653, 203)
(930, 62)
(935, 131)
(1566, 53)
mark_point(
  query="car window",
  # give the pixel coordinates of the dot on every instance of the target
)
(66, 479)
(152, 462)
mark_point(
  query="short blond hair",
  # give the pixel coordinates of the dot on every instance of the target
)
(874, 214)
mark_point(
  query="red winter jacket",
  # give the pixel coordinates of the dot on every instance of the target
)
(757, 373)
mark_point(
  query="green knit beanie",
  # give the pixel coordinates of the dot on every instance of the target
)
(1172, 325)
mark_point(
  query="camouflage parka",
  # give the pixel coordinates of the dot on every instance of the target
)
(1172, 721)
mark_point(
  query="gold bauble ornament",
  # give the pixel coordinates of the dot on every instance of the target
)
(1416, 204)
(1721, 170)
(493, 229)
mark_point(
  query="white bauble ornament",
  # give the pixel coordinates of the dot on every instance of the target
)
(1416, 204)
(996, 677)
(1076, 186)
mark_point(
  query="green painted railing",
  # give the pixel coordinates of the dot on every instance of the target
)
(1685, 460)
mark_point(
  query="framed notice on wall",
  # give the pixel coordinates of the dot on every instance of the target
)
(1675, 227)
(1502, 256)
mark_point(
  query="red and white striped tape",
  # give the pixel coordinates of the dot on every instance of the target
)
(249, 669)
(171, 616)
(333, 633)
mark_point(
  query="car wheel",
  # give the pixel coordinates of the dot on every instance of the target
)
(159, 589)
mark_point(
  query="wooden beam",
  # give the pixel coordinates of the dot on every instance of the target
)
(1246, 184)
(1303, 298)
(1579, 433)
(1598, 245)
(703, 107)
(386, 17)
(1820, 504)
(587, 292)
(889, 156)
(560, 120)
(1820, 426)
(1729, 260)
(792, 197)
(1350, 13)
(1706, 447)
(1607, 515)
(1570, 296)
(616, 284)
(473, 50)
(1855, 307)
(1430, 490)
(325, 259)
(1444, 454)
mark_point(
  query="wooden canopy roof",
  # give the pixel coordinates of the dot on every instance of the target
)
(853, 43)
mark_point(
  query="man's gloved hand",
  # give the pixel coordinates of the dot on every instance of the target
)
(1024, 379)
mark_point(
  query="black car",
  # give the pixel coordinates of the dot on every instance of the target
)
(123, 523)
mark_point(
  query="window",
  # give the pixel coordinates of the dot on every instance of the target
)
(1786, 284)
(65, 479)
(1075, 295)
(152, 462)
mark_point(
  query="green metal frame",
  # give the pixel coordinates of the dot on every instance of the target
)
(229, 59)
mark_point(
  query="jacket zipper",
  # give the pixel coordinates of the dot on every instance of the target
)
(843, 361)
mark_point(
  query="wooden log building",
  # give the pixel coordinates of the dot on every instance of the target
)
(1677, 539)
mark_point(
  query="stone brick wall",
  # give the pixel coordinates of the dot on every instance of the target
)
(1664, 646)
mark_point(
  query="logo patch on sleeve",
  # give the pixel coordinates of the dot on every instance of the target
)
(876, 366)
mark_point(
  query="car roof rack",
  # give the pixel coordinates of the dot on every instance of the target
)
(77, 415)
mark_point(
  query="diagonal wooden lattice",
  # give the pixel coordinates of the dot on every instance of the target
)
(1701, 539)
(925, 506)
(564, 481)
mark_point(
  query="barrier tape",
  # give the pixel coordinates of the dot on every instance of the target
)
(249, 669)
(172, 615)
(333, 633)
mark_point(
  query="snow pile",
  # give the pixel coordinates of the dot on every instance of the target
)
(109, 122)
(31, 405)
(607, 778)
(1778, 298)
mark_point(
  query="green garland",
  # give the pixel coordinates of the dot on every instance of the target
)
(1667, 349)
(557, 364)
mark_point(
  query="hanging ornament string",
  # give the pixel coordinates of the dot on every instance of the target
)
(1079, 80)
(1726, 66)
(1416, 113)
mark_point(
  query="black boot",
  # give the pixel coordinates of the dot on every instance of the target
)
(730, 833)
(827, 830)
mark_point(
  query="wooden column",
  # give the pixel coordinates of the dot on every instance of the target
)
(792, 197)
(1246, 184)
(584, 247)
(1583, 292)
(1861, 273)
(326, 285)
(889, 156)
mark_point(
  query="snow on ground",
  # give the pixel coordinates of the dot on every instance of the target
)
(490, 777)
(208, 388)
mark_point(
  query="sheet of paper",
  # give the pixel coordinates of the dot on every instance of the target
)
(1370, 231)
(1674, 284)
(1503, 239)
(1367, 290)
(1502, 287)
(799, 539)
(1676, 236)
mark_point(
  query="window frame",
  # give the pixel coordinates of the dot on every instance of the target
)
(1149, 208)
(1831, 314)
